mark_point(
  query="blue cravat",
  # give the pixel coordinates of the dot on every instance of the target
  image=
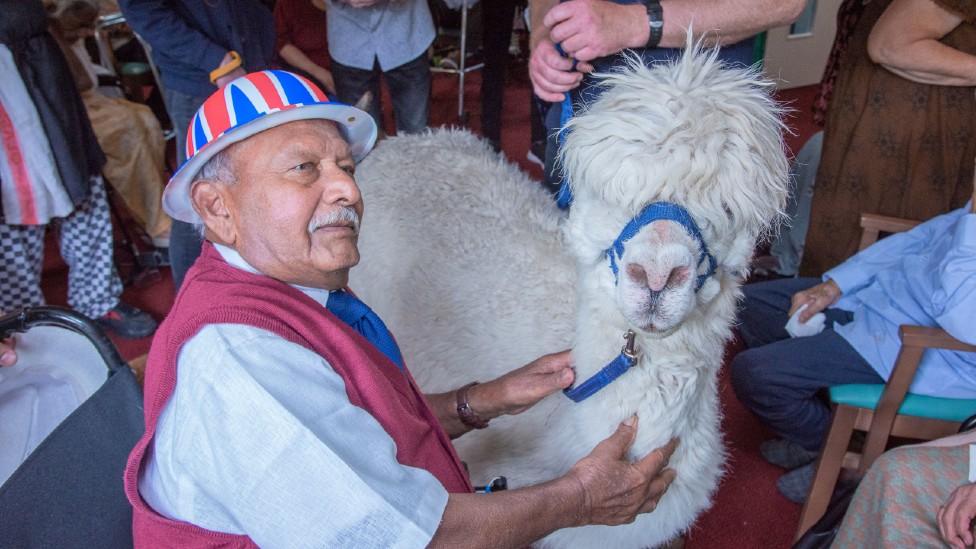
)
(361, 318)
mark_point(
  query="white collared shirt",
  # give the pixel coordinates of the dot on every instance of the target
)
(259, 438)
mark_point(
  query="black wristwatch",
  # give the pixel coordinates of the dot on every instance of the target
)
(655, 22)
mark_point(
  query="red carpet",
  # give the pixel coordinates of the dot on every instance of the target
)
(747, 512)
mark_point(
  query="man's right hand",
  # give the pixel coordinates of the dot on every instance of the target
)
(8, 357)
(616, 490)
(552, 74)
(816, 299)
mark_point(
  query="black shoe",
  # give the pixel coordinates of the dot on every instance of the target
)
(128, 322)
(786, 454)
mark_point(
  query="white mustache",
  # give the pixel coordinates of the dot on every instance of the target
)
(341, 216)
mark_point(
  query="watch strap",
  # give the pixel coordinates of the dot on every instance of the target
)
(655, 22)
(464, 411)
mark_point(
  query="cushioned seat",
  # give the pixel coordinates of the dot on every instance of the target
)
(867, 396)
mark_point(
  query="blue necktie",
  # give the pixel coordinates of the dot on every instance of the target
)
(361, 318)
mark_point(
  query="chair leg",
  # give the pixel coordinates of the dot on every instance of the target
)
(909, 357)
(828, 467)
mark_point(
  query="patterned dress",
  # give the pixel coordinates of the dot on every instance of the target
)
(896, 503)
(891, 146)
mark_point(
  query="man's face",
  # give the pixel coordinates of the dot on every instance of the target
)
(291, 179)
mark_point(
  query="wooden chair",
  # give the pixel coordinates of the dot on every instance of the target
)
(883, 410)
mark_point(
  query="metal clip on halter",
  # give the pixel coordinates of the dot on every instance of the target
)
(629, 349)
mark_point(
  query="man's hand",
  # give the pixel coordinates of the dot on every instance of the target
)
(552, 74)
(616, 490)
(232, 75)
(817, 299)
(8, 357)
(956, 516)
(588, 29)
(520, 389)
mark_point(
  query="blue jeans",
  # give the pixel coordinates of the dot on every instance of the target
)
(409, 88)
(184, 240)
(778, 377)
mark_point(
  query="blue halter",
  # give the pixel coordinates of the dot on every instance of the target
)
(629, 355)
(667, 211)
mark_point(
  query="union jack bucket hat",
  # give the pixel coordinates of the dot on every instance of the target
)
(250, 104)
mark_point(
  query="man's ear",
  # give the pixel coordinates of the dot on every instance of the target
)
(210, 199)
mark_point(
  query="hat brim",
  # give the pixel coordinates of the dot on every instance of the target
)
(356, 126)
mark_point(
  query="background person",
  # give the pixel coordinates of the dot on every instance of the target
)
(370, 40)
(198, 47)
(899, 136)
(302, 41)
(595, 32)
(925, 276)
(50, 172)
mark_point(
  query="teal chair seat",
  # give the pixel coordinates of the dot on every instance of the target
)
(867, 396)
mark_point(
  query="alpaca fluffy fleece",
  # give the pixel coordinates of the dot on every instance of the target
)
(477, 272)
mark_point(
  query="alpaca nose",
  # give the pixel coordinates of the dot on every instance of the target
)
(657, 279)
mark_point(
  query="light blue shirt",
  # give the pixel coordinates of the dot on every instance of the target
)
(391, 31)
(925, 277)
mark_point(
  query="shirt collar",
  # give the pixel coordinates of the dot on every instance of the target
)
(234, 259)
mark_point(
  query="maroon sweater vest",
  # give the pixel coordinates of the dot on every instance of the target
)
(215, 292)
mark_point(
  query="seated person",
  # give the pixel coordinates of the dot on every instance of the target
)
(922, 496)
(278, 408)
(925, 276)
(129, 133)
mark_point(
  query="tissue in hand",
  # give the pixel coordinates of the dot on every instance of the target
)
(811, 327)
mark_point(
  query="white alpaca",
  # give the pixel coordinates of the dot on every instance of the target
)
(477, 272)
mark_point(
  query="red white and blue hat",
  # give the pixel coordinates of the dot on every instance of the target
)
(250, 104)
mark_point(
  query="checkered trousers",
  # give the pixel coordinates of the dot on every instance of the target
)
(86, 246)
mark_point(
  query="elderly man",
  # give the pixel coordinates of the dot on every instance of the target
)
(278, 408)
(926, 276)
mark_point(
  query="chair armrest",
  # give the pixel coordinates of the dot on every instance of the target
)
(887, 224)
(874, 224)
(935, 338)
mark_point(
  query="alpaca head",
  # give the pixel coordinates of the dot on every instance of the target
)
(694, 133)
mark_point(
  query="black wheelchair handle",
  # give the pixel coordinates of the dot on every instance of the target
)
(25, 319)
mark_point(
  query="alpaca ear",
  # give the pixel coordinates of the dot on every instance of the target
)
(365, 102)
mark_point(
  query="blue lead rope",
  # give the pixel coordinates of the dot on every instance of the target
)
(601, 379)
(669, 212)
(564, 197)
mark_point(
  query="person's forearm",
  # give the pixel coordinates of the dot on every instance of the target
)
(724, 22)
(928, 62)
(905, 40)
(444, 406)
(297, 58)
(537, 12)
(512, 518)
